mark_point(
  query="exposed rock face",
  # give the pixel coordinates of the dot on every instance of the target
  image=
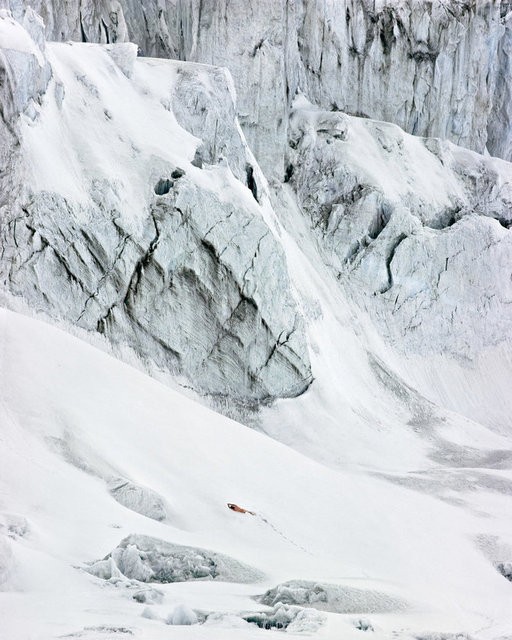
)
(418, 229)
(142, 231)
(411, 63)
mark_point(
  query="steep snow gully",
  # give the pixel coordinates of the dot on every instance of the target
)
(296, 218)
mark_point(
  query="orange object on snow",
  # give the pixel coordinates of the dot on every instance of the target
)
(235, 507)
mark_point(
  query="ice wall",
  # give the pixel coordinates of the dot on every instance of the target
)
(436, 69)
(150, 224)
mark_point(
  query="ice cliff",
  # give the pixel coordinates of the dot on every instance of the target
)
(436, 69)
(125, 223)
(418, 229)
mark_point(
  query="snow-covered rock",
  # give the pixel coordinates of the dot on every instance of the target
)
(363, 624)
(148, 595)
(13, 525)
(411, 63)
(122, 222)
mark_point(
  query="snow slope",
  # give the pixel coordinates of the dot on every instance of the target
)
(73, 419)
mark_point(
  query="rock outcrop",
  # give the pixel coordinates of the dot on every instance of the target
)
(124, 223)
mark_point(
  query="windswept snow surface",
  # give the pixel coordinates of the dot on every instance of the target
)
(72, 417)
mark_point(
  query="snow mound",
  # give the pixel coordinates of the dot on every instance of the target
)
(330, 597)
(363, 624)
(292, 618)
(131, 495)
(149, 559)
(13, 525)
(148, 596)
(149, 614)
(221, 619)
(137, 498)
(182, 615)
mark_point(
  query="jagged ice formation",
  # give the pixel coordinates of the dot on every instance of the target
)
(128, 225)
(434, 68)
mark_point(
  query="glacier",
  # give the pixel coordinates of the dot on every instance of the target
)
(394, 228)
(436, 69)
(255, 252)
